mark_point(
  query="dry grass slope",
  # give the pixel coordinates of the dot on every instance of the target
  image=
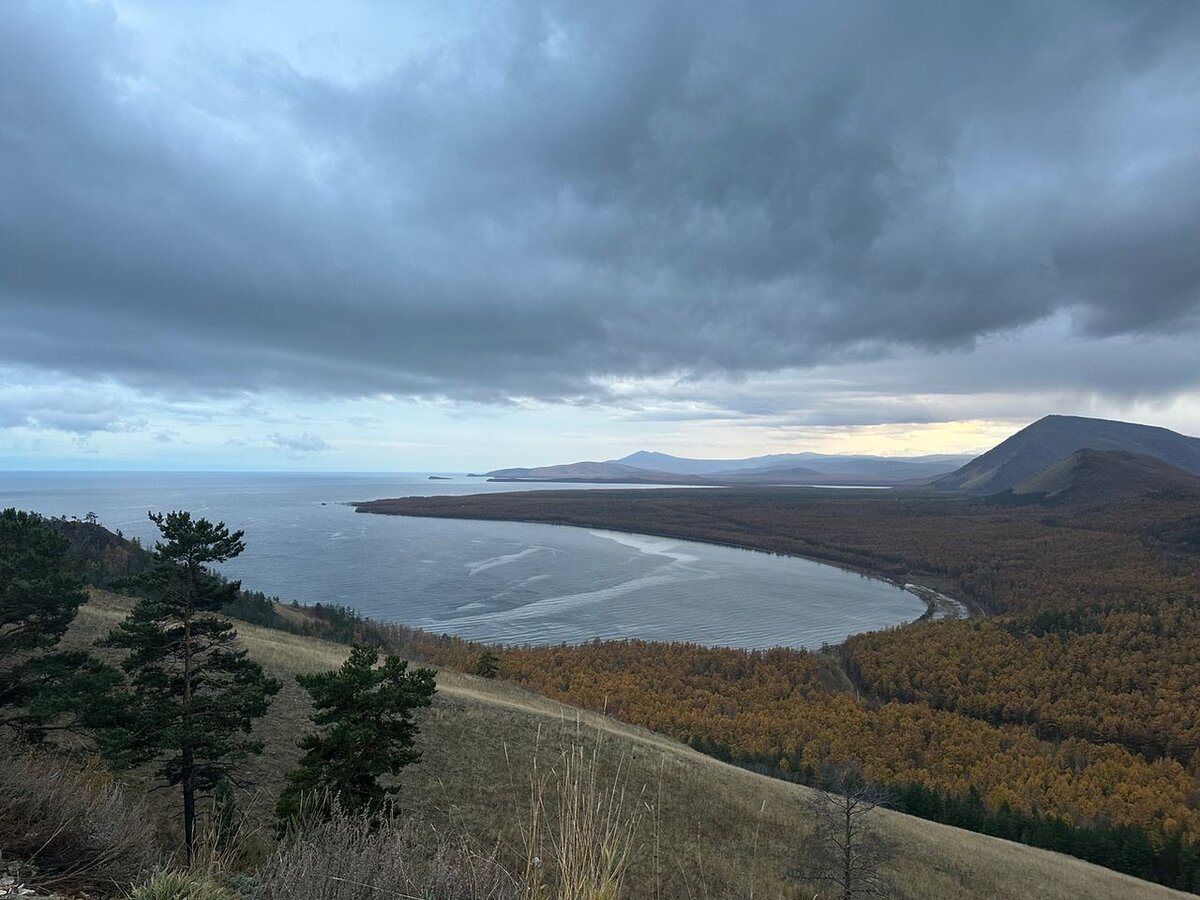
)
(708, 830)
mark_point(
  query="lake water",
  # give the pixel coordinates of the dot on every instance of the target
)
(490, 581)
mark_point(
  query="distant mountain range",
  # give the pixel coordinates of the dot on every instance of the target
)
(1059, 458)
(1015, 462)
(648, 467)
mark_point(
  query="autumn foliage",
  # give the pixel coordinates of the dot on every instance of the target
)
(1077, 696)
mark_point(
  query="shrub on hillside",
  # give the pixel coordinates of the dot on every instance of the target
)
(73, 824)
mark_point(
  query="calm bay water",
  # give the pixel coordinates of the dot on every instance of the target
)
(492, 581)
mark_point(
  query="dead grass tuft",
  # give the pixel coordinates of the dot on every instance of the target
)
(196, 885)
(345, 859)
(580, 829)
(72, 823)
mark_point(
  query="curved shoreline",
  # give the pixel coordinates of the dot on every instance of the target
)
(938, 605)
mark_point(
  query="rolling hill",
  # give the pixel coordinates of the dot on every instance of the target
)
(1052, 439)
(824, 463)
(721, 831)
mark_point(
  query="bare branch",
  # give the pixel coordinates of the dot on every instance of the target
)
(848, 851)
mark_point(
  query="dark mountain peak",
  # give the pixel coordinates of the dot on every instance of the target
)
(1054, 438)
(1092, 424)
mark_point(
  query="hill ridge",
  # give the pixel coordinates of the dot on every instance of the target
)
(808, 467)
(1053, 438)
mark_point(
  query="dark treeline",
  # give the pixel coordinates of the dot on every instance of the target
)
(1173, 861)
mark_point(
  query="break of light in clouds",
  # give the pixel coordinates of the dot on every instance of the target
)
(378, 235)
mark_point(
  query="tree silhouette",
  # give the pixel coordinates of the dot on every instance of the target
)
(848, 852)
(193, 693)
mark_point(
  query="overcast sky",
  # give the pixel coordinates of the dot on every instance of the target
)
(403, 235)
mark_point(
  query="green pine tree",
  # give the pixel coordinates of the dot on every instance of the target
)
(193, 693)
(487, 666)
(42, 687)
(365, 712)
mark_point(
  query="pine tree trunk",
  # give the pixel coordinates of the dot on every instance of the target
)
(186, 758)
(189, 805)
(848, 857)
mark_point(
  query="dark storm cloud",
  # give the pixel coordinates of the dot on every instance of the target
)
(570, 193)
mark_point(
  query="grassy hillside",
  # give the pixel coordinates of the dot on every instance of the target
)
(721, 831)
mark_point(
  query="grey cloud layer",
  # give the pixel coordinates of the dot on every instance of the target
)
(563, 193)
